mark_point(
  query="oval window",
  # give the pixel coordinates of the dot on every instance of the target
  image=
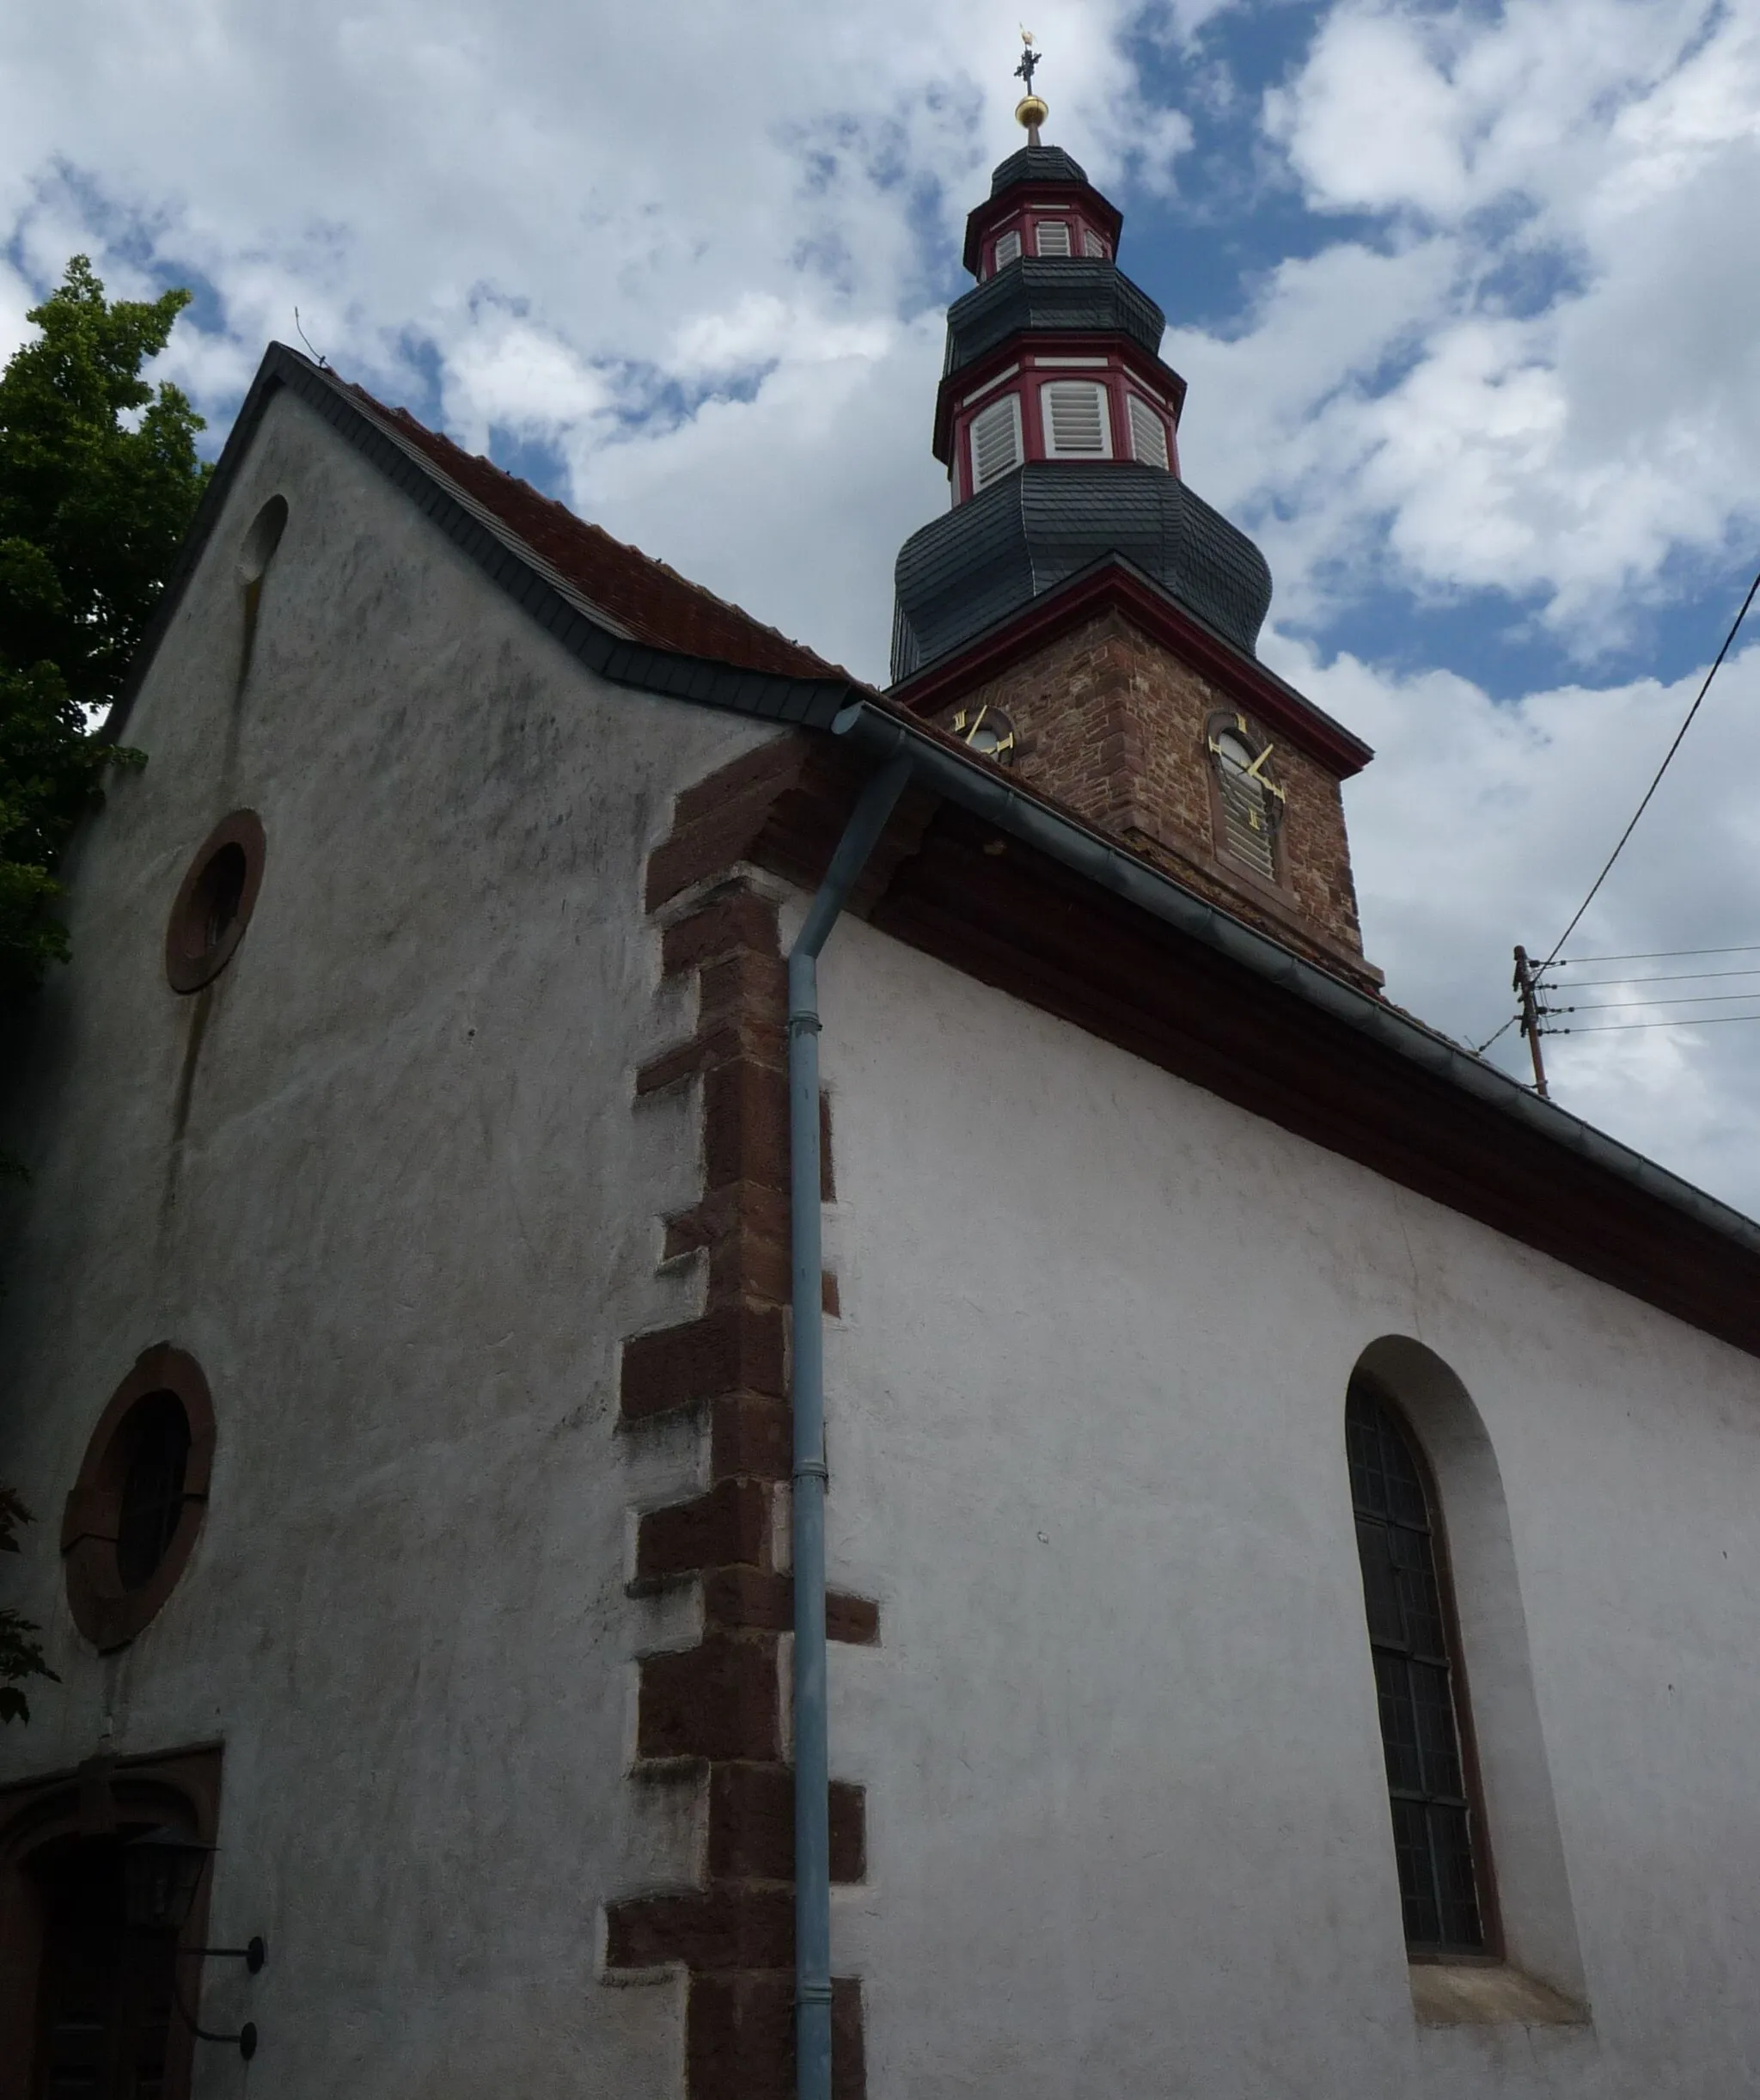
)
(258, 549)
(134, 1513)
(215, 901)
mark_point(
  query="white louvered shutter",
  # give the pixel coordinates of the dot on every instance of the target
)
(1246, 807)
(1075, 419)
(1053, 236)
(996, 441)
(1148, 434)
(1092, 244)
(1008, 247)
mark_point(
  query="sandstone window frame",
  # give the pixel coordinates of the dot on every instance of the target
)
(214, 901)
(109, 1606)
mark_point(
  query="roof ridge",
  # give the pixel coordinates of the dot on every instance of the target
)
(613, 572)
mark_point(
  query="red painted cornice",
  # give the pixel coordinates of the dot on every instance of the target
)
(1019, 195)
(1028, 342)
(1116, 585)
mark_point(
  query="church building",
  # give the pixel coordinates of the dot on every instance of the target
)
(738, 1386)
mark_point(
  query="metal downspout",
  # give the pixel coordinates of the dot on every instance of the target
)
(812, 1768)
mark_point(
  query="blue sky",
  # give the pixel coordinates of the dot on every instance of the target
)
(1465, 294)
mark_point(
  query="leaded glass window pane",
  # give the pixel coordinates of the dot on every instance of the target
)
(1415, 1684)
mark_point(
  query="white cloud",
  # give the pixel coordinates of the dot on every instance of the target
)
(1564, 392)
(505, 372)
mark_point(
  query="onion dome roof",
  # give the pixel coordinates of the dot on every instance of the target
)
(993, 555)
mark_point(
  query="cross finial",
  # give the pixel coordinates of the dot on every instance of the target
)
(1030, 60)
(1031, 109)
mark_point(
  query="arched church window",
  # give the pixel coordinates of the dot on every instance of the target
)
(1051, 235)
(1418, 1682)
(996, 441)
(1076, 426)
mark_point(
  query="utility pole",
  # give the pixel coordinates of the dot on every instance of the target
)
(1524, 983)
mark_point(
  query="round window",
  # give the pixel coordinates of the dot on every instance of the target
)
(258, 549)
(134, 1513)
(215, 901)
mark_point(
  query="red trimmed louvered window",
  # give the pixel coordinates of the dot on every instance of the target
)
(1148, 433)
(1076, 424)
(996, 441)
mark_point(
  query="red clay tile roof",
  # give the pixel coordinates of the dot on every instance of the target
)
(650, 602)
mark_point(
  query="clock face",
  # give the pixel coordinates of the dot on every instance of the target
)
(1236, 754)
(987, 731)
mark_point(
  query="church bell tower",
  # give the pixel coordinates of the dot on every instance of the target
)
(1081, 616)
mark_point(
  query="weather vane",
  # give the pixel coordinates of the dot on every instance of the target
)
(1032, 60)
(1032, 110)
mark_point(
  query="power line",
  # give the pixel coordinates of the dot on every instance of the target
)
(1615, 1005)
(1668, 977)
(1701, 999)
(1533, 977)
(1667, 757)
(1503, 1030)
(1615, 1028)
(1660, 955)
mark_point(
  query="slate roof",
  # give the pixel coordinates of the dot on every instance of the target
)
(1035, 164)
(1078, 294)
(1048, 521)
(649, 601)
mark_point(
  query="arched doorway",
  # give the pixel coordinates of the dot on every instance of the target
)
(88, 2008)
(104, 2011)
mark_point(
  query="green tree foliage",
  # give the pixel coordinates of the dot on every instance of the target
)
(99, 480)
(19, 1655)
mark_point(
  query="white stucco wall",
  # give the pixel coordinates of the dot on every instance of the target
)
(409, 1215)
(1128, 1821)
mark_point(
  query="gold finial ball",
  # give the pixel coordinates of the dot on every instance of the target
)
(1031, 111)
